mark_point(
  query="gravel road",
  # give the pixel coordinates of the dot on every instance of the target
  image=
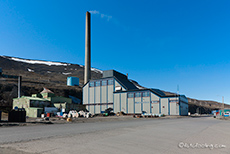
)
(181, 135)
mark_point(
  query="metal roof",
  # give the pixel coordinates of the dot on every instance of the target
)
(126, 83)
(33, 98)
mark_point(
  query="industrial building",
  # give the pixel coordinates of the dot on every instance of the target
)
(114, 90)
(35, 104)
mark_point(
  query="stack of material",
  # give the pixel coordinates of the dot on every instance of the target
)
(73, 113)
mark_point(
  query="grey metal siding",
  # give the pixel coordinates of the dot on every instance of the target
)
(85, 94)
(116, 102)
(110, 93)
(97, 109)
(130, 105)
(138, 104)
(91, 109)
(103, 107)
(146, 105)
(123, 102)
(155, 107)
(173, 108)
(164, 106)
(97, 95)
(91, 96)
(103, 94)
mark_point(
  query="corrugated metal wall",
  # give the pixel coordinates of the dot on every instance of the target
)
(97, 99)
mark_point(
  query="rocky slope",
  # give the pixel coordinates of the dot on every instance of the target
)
(37, 74)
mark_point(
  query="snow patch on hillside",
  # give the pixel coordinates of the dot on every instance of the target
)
(66, 73)
(96, 70)
(39, 62)
(30, 70)
(49, 63)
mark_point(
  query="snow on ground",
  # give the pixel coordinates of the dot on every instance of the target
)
(30, 70)
(96, 70)
(50, 63)
(66, 73)
(39, 62)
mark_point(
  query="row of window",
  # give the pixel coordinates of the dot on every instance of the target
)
(101, 83)
(139, 94)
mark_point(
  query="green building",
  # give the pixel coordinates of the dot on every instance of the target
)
(35, 105)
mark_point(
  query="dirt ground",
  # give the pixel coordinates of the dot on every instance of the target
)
(59, 120)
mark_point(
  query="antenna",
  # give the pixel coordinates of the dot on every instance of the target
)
(177, 89)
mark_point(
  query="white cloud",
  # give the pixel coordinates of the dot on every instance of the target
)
(94, 12)
(105, 16)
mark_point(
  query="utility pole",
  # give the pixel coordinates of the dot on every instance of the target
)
(223, 105)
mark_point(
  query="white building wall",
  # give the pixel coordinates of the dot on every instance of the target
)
(164, 106)
(85, 94)
(138, 104)
(154, 97)
(97, 95)
(130, 105)
(174, 106)
(116, 103)
(155, 104)
(91, 95)
(110, 93)
(146, 104)
(123, 102)
(103, 94)
(155, 107)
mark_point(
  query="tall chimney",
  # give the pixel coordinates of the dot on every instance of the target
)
(87, 49)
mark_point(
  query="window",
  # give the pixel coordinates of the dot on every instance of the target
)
(91, 84)
(154, 101)
(98, 83)
(130, 95)
(104, 83)
(110, 82)
(138, 94)
(145, 94)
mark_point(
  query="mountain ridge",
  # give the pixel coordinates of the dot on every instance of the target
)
(37, 74)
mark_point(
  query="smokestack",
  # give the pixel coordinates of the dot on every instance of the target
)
(87, 49)
(19, 86)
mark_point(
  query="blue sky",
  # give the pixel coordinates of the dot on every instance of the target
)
(159, 43)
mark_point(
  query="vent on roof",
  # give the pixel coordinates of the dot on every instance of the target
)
(112, 73)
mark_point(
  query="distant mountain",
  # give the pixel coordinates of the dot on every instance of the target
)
(37, 74)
